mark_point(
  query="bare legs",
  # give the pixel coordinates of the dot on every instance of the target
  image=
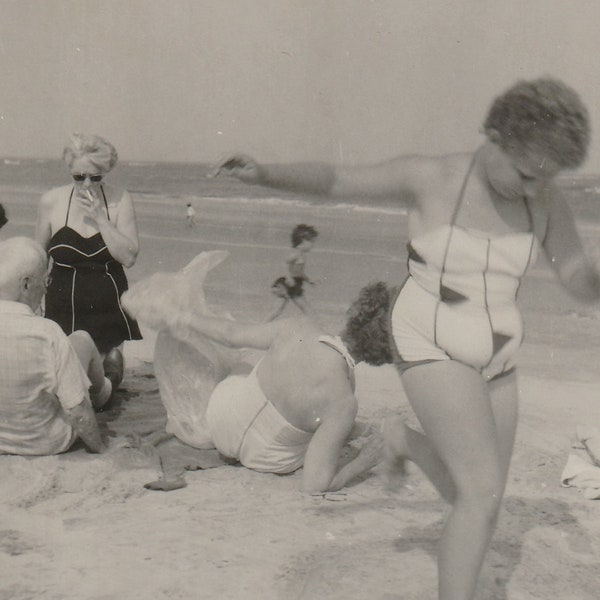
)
(469, 435)
(299, 301)
(92, 363)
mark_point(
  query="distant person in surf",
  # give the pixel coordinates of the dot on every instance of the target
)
(89, 230)
(190, 215)
(290, 287)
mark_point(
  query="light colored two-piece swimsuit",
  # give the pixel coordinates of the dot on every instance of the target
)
(459, 300)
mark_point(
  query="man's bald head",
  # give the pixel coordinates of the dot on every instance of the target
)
(23, 269)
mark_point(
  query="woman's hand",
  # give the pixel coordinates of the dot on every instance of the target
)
(241, 166)
(92, 207)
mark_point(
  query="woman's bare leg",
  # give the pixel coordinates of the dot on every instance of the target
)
(466, 452)
(402, 443)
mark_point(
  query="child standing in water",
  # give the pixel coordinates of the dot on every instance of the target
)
(289, 287)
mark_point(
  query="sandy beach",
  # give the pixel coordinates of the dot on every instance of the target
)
(81, 526)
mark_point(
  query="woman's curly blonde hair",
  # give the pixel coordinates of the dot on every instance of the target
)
(101, 153)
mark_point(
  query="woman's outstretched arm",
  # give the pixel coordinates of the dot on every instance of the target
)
(404, 177)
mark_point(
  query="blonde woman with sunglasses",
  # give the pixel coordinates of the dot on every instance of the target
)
(89, 230)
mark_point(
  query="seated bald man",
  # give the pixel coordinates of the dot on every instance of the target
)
(47, 377)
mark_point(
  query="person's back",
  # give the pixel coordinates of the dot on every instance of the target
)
(303, 377)
(44, 393)
(31, 419)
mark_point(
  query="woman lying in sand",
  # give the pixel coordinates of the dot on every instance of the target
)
(476, 223)
(297, 406)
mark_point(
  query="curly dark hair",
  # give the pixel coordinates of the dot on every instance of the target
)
(366, 333)
(543, 114)
(303, 232)
(3, 217)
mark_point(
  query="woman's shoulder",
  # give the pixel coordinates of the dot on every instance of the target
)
(114, 194)
(455, 165)
(56, 197)
(432, 173)
(58, 192)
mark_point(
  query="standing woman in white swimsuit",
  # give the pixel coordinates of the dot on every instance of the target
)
(475, 225)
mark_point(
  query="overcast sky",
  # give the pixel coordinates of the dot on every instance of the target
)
(338, 80)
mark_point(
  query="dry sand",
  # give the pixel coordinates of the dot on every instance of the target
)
(82, 526)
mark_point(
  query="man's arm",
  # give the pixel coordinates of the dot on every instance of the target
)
(83, 420)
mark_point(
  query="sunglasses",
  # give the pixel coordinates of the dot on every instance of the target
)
(84, 176)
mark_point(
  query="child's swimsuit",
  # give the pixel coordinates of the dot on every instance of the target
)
(459, 300)
(281, 287)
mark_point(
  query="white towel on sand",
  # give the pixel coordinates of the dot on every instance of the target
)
(583, 471)
(582, 474)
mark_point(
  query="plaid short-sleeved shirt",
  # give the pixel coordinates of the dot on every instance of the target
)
(40, 375)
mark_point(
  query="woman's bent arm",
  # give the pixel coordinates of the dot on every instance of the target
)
(563, 246)
(322, 456)
(121, 237)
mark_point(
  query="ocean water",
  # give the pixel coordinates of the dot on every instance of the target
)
(181, 181)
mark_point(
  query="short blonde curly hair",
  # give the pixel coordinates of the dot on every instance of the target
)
(542, 114)
(101, 153)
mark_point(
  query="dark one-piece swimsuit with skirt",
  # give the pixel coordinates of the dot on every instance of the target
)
(86, 287)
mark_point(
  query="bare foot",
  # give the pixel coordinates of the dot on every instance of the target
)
(156, 438)
(394, 453)
(166, 485)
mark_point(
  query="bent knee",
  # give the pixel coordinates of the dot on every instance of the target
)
(80, 336)
(84, 346)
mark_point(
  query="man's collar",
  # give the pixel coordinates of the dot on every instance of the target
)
(10, 307)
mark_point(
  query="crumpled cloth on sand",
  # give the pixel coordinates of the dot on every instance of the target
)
(187, 365)
(583, 471)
